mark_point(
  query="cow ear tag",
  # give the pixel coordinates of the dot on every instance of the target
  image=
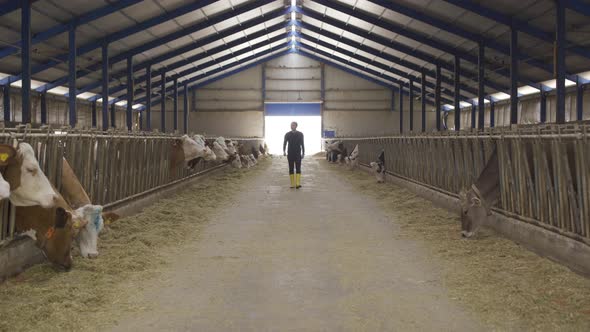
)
(50, 233)
(6, 152)
(4, 157)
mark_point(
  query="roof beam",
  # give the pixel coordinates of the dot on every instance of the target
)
(354, 65)
(117, 36)
(517, 24)
(12, 5)
(220, 69)
(168, 38)
(198, 44)
(381, 54)
(397, 46)
(213, 62)
(368, 61)
(413, 35)
(456, 30)
(61, 28)
(578, 6)
(232, 72)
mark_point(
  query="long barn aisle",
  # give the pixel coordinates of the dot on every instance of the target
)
(277, 259)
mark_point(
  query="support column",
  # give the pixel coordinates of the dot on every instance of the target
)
(44, 108)
(457, 93)
(401, 108)
(175, 106)
(473, 111)
(437, 103)
(26, 60)
(492, 114)
(72, 77)
(130, 92)
(163, 102)
(148, 98)
(105, 87)
(580, 101)
(543, 107)
(560, 61)
(411, 82)
(423, 100)
(481, 106)
(113, 115)
(513, 76)
(93, 118)
(6, 100)
(185, 104)
(322, 95)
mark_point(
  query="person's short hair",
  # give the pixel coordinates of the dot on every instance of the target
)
(294, 122)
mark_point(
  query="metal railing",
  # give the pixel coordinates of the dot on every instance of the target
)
(111, 166)
(544, 170)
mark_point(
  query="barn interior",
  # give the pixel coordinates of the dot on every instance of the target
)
(444, 181)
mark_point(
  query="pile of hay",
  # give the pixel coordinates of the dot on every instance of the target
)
(505, 285)
(87, 296)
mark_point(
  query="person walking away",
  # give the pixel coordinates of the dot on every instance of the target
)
(294, 154)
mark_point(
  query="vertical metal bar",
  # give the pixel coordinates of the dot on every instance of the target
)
(44, 108)
(481, 86)
(543, 106)
(457, 93)
(105, 87)
(401, 108)
(175, 107)
(72, 76)
(473, 111)
(423, 100)
(130, 92)
(113, 115)
(513, 75)
(163, 103)
(6, 99)
(411, 83)
(322, 93)
(185, 99)
(93, 114)
(580, 101)
(492, 114)
(437, 99)
(148, 98)
(26, 60)
(560, 60)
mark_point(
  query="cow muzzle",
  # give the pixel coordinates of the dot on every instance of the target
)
(466, 234)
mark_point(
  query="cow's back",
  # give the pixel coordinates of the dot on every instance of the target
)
(72, 190)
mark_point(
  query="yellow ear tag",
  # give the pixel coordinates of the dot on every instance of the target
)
(76, 224)
(50, 233)
(4, 157)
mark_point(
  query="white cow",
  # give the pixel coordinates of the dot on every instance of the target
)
(245, 161)
(88, 237)
(196, 149)
(352, 161)
(4, 188)
(28, 184)
(253, 159)
(219, 151)
(231, 149)
(236, 161)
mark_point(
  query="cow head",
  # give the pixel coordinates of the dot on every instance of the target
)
(473, 213)
(57, 241)
(88, 237)
(28, 184)
(176, 156)
(209, 154)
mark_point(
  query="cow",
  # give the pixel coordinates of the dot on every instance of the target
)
(231, 148)
(78, 200)
(332, 150)
(245, 161)
(352, 160)
(253, 160)
(28, 184)
(4, 188)
(477, 201)
(54, 229)
(236, 162)
(343, 153)
(262, 149)
(219, 151)
(378, 167)
(187, 150)
(254, 152)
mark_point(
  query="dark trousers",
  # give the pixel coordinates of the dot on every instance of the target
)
(294, 164)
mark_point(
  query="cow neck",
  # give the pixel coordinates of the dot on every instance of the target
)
(481, 198)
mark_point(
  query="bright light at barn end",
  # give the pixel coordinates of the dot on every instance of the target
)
(293, 16)
(293, 28)
(277, 126)
(293, 3)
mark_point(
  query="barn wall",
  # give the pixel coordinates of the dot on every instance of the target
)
(57, 110)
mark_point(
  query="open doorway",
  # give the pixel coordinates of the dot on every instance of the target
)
(277, 122)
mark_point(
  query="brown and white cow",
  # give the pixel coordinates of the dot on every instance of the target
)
(28, 185)
(186, 149)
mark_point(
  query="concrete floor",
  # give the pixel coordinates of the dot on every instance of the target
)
(322, 258)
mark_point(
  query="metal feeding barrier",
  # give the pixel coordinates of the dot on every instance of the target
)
(111, 166)
(544, 170)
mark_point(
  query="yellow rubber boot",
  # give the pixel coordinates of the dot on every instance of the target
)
(292, 176)
(298, 181)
